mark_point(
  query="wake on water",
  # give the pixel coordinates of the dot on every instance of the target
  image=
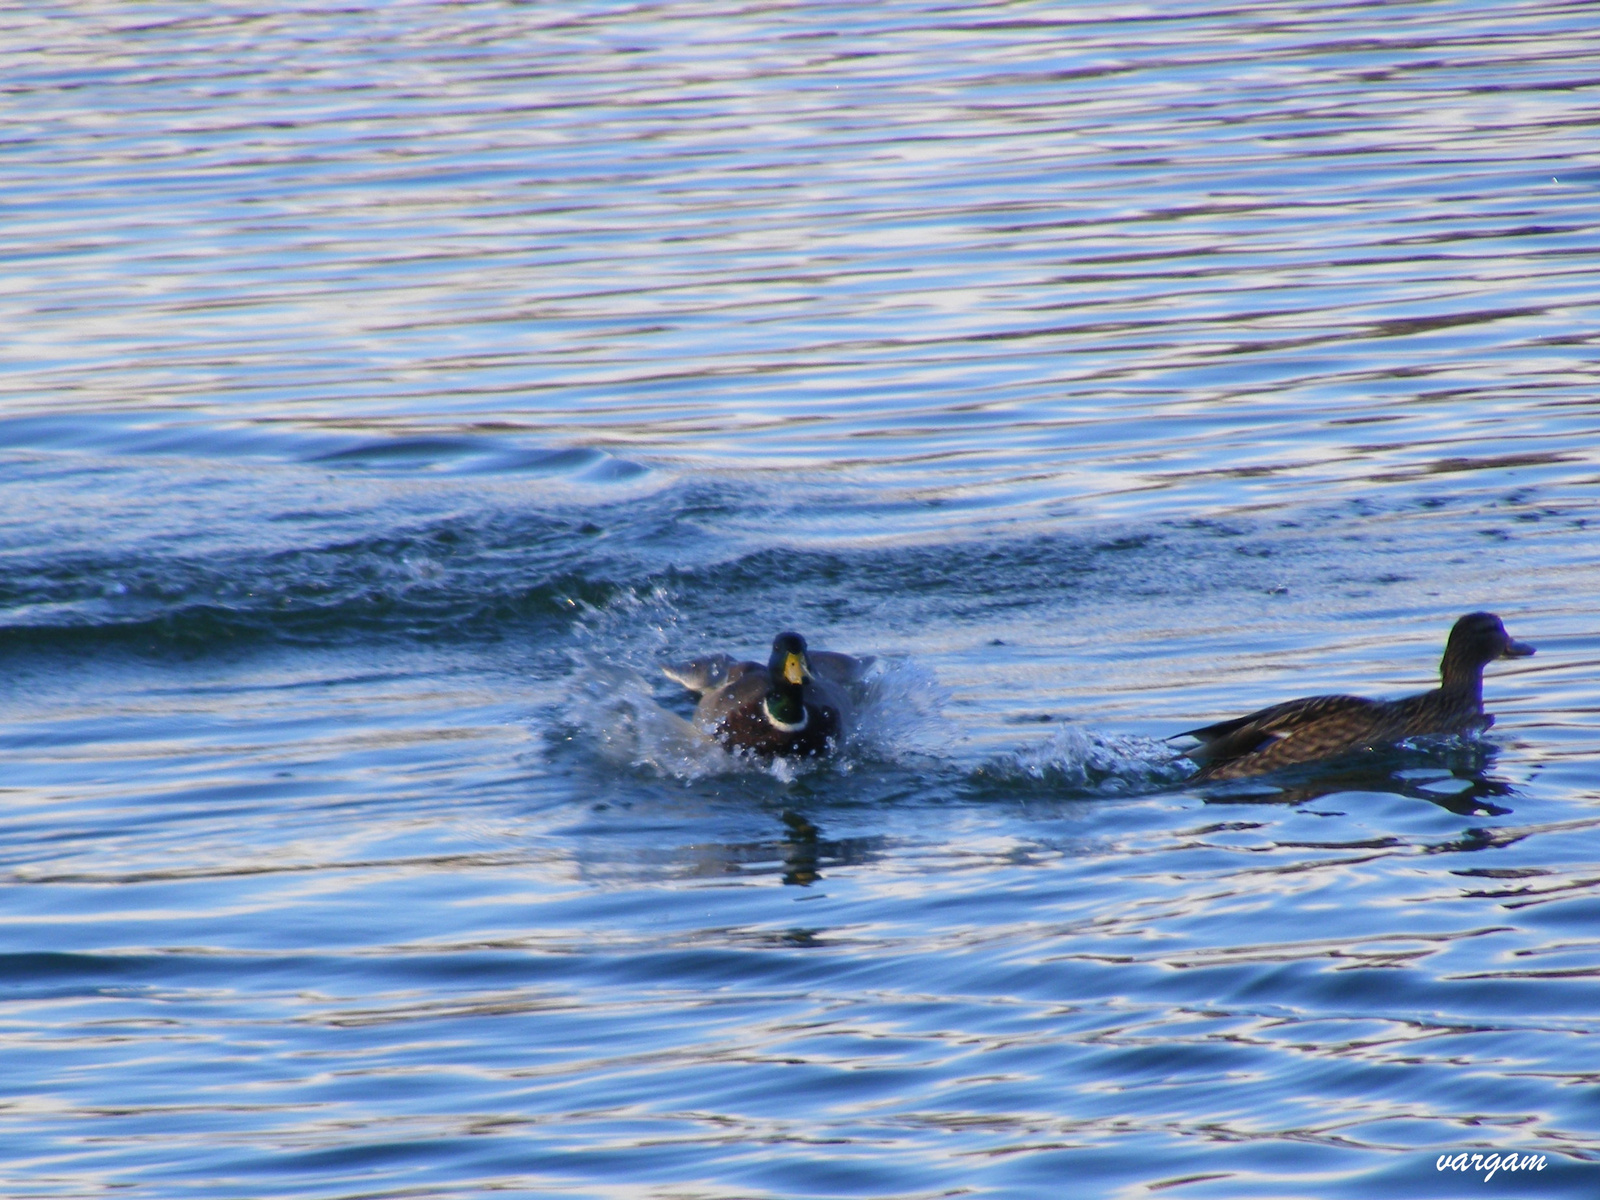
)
(1087, 760)
(622, 706)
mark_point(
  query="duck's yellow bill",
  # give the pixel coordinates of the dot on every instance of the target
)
(793, 669)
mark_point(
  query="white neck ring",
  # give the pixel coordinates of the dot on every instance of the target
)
(786, 727)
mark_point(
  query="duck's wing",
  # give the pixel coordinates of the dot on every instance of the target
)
(709, 673)
(836, 681)
(746, 689)
(1245, 735)
(840, 669)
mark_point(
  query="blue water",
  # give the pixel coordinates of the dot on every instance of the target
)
(388, 390)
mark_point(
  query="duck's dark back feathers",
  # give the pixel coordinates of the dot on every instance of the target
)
(1319, 721)
(1318, 727)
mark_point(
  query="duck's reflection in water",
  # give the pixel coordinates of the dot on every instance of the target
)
(1455, 776)
(803, 851)
(798, 853)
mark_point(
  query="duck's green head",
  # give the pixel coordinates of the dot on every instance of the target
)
(788, 663)
(787, 669)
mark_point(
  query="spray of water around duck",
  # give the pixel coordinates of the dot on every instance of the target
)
(634, 718)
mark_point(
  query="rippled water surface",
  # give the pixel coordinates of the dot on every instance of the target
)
(390, 389)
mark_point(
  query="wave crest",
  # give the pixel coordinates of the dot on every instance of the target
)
(1086, 760)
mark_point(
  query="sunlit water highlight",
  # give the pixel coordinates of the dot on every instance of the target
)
(390, 390)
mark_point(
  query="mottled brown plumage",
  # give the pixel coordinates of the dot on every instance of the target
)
(1318, 727)
(795, 706)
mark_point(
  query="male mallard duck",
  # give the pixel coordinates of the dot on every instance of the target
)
(796, 705)
(1301, 731)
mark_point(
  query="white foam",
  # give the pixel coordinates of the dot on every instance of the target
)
(894, 710)
(900, 712)
(1076, 759)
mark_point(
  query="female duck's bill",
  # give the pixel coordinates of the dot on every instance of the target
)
(1319, 727)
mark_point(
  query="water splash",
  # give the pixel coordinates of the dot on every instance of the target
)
(616, 711)
(623, 706)
(901, 713)
(1086, 760)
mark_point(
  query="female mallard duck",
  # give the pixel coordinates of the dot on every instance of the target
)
(796, 705)
(1301, 731)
